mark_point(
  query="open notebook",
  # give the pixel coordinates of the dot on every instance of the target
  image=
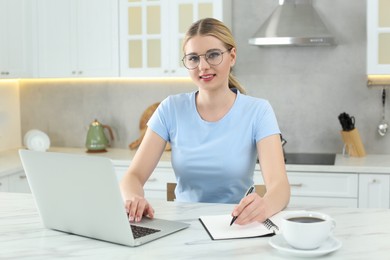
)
(218, 227)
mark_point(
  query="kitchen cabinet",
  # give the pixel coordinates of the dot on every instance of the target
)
(18, 183)
(307, 188)
(77, 38)
(378, 37)
(4, 183)
(15, 182)
(16, 38)
(151, 33)
(156, 185)
(321, 189)
(374, 191)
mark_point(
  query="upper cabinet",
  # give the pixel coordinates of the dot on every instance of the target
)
(16, 38)
(378, 37)
(152, 32)
(77, 38)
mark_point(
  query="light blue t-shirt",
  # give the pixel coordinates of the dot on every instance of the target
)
(213, 161)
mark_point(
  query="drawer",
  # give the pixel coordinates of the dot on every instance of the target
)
(156, 185)
(304, 201)
(314, 184)
(159, 179)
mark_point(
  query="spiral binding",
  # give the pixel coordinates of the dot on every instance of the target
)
(271, 225)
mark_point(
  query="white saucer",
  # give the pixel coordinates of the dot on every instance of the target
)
(330, 245)
(36, 140)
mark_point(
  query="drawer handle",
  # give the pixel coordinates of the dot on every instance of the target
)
(296, 185)
(22, 177)
(152, 180)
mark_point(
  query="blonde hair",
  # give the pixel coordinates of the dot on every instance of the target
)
(215, 28)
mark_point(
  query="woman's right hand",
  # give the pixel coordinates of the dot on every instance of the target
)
(138, 207)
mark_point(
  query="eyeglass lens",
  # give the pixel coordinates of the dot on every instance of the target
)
(213, 57)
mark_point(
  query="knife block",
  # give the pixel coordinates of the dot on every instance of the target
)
(353, 143)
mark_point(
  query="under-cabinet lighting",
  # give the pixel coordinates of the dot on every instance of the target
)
(7, 81)
(121, 80)
(378, 81)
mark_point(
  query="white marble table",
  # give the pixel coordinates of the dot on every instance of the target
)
(365, 234)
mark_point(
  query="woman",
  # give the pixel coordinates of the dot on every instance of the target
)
(215, 135)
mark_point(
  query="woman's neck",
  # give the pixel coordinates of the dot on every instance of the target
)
(214, 105)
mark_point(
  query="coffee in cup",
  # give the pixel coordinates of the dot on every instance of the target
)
(307, 230)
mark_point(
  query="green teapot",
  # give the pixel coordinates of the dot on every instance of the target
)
(97, 141)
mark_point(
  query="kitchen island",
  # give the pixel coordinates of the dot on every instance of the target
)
(364, 234)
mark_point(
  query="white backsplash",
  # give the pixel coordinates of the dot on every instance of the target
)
(10, 130)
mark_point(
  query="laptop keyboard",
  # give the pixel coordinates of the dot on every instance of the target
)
(142, 231)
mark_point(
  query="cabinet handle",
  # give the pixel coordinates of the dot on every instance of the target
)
(22, 177)
(152, 180)
(80, 72)
(296, 185)
(73, 72)
(373, 181)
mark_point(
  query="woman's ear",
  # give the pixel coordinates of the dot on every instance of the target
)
(232, 57)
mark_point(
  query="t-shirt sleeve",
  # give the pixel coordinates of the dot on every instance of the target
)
(159, 121)
(266, 124)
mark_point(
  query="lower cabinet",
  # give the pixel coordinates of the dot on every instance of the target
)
(321, 189)
(374, 191)
(156, 186)
(4, 183)
(15, 182)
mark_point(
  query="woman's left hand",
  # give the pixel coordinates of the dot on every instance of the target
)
(250, 209)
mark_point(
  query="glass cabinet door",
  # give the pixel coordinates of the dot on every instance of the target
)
(152, 33)
(143, 34)
(378, 37)
(384, 32)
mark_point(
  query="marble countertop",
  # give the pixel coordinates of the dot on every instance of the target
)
(371, 163)
(364, 234)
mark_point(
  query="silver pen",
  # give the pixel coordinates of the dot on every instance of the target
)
(249, 191)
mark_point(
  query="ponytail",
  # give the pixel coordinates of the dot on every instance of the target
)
(233, 83)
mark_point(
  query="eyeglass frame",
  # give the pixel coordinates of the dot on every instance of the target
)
(206, 59)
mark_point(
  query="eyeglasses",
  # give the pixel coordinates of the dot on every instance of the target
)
(213, 57)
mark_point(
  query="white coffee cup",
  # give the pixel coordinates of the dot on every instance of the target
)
(307, 230)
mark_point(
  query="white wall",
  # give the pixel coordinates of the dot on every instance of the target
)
(10, 131)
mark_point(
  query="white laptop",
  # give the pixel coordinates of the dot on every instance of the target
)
(79, 194)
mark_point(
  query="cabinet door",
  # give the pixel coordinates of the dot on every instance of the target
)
(374, 191)
(18, 183)
(152, 32)
(97, 38)
(77, 38)
(141, 37)
(16, 38)
(378, 37)
(320, 189)
(4, 183)
(56, 39)
(326, 189)
(156, 186)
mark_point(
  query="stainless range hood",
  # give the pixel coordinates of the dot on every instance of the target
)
(294, 22)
